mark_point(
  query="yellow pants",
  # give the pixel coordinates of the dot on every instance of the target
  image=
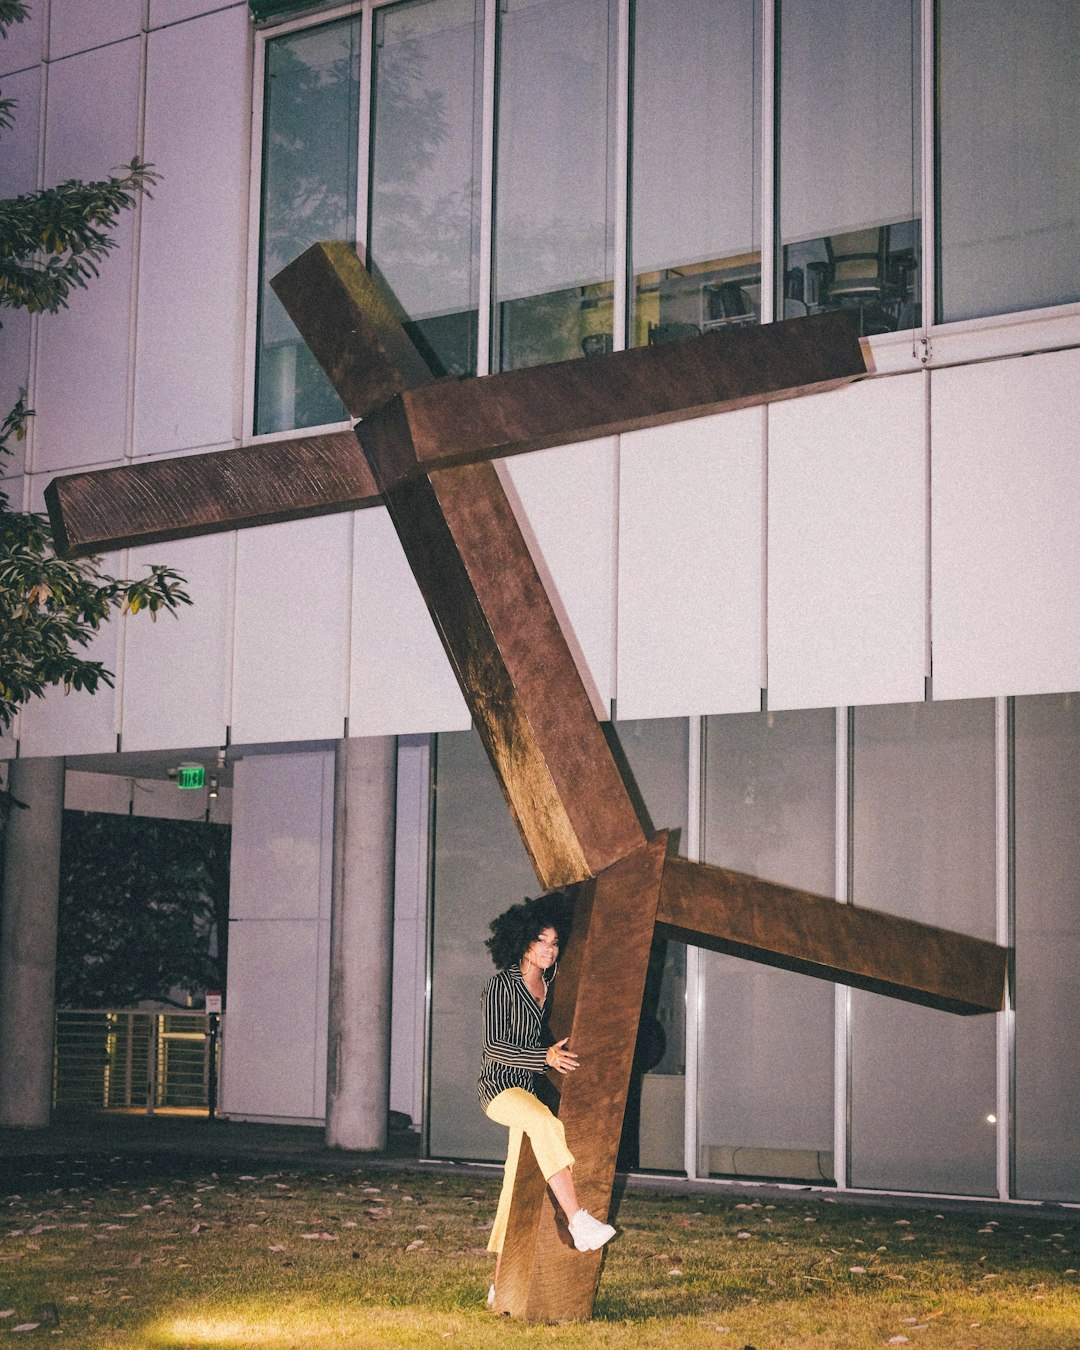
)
(525, 1114)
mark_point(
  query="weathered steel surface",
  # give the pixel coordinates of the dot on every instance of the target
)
(428, 444)
(780, 926)
(381, 377)
(517, 673)
(597, 1003)
(345, 318)
(460, 421)
(203, 494)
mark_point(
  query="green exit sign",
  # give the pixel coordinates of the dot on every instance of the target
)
(191, 776)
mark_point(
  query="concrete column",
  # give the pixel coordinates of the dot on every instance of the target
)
(361, 943)
(28, 941)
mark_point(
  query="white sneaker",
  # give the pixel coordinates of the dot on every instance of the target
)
(589, 1233)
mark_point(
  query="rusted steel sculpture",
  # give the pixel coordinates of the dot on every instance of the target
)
(427, 445)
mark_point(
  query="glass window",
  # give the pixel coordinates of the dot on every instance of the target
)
(1048, 947)
(310, 129)
(480, 867)
(924, 1081)
(849, 181)
(555, 188)
(1009, 172)
(655, 756)
(766, 1036)
(424, 243)
(695, 65)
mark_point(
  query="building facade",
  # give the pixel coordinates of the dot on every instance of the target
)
(836, 637)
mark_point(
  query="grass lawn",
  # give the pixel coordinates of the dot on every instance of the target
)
(162, 1252)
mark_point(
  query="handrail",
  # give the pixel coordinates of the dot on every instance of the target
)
(113, 1059)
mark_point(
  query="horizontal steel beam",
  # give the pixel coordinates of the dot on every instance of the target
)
(381, 377)
(780, 926)
(162, 499)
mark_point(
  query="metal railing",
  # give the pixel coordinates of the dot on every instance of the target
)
(105, 1060)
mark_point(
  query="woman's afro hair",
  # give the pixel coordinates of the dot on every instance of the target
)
(517, 927)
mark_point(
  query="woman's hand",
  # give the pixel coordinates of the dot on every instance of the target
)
(561, 1059)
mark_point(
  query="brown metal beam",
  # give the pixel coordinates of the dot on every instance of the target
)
(347, 321)
(597, 1004)
(744, 916)
(162, 499)
(461, 421)
(473, 567)
(358, 340)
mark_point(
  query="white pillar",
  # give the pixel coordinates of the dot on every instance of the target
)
(28, 941)
(361, 944)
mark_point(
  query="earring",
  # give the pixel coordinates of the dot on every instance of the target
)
(554, 972)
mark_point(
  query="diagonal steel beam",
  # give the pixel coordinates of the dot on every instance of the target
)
(596, 1002)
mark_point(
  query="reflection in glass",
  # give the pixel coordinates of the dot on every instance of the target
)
(1009, 179)
(923, 1082)
(655, 756)
(555, 187)
(310, 127)
(765, 1105)
(424, 241)
(480, 867)
(1047, 1125)
(694, 136)
(849, 192)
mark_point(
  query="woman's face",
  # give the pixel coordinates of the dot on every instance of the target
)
(543, 951)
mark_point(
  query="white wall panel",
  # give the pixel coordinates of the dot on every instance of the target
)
(691, 567)
(273, 1056)
(24, 43)
(176, 11)
(77, 723)
(401, 678)
(1006, 543)
(176, 669)
(291, 631)
(79, 25)
(847, 546)
(283, 817)
(191, 263)
(564, 499)
(282, 850)
(83, 351)
(18, 174)
(14, 376)
(19, 162)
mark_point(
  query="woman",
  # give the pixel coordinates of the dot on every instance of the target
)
(524, 945)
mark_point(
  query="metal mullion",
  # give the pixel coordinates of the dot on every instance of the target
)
(1004, 889)
(695, 848)
(767, 167)
(621, 280)
(363, 129)
(842, 993)
(254, 233)
(484, 314)
(928, 171)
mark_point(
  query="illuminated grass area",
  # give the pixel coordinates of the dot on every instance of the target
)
(150, 1253)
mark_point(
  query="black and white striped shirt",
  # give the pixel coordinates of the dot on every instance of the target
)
(515, 1044)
